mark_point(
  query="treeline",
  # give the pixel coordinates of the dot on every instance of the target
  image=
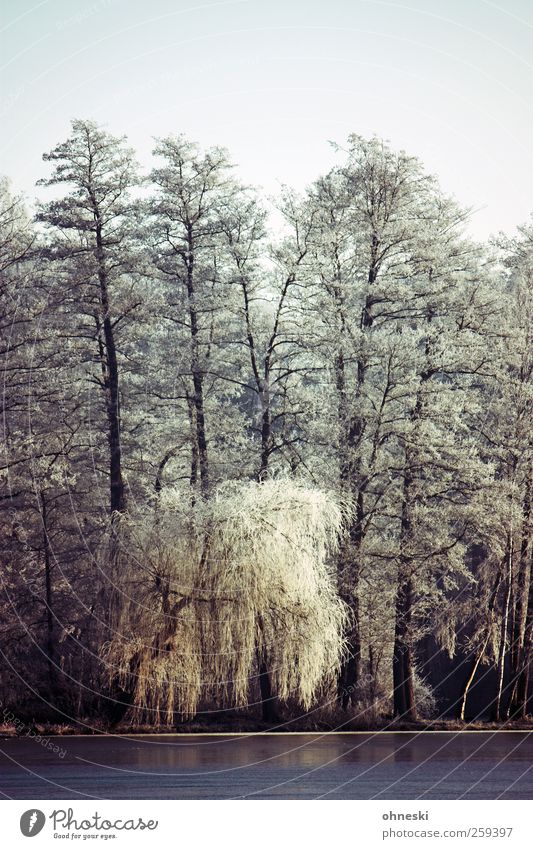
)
(259, 455)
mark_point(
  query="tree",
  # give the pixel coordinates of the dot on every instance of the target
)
(40, 440)
(92, 234)
(268, 585)
(368, 215)
(192, 191)
(515, 451)
(395, 291)
(312, 430)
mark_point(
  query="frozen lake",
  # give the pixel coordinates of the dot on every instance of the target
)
(479, 765)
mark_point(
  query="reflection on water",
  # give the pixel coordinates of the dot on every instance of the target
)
(299, 750)
(379, 765)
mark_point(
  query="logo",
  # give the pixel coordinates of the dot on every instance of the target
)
(32, 822)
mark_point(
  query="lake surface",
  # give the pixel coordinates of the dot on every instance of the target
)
(396, 765)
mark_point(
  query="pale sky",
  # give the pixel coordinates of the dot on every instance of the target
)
(450, 82)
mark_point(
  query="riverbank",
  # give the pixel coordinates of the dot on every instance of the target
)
(239, 725)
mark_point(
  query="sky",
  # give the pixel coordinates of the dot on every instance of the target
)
(275, 82)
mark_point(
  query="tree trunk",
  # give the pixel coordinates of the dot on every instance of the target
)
(520, 611)
(197, 371)
(269, 700)
(348, 564)
(403, 654)
(203, 462)
(266, 434)
(504, 628)
(403, 662)
(522, 691)
(193, 479)
(352, 429)
(469, 681)
(117, 500)
(490, 611)
(51, 652)
(403, 673)
(350, 673)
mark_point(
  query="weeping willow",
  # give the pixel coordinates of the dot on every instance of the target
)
(209, 588)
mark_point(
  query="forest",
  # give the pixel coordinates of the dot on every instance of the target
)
(264, 458)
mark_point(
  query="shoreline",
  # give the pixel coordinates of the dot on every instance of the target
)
(475, 727)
